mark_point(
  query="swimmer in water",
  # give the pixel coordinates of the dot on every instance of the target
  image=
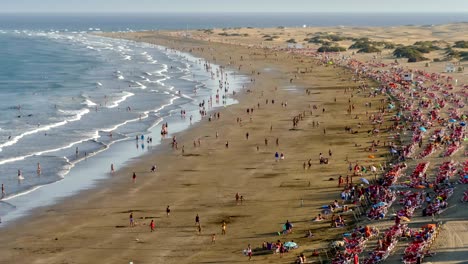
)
(20, 177)
(38, 169)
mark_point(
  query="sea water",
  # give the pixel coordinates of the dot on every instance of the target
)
(65, 90)
(67, 96)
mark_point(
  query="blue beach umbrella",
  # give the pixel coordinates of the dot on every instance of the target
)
(462, 124)
(290, 245)
(451, 120)
(423, 129)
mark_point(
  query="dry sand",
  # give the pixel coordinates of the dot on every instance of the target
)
(93, 225)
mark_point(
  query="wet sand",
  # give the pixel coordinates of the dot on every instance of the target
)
(93, 225)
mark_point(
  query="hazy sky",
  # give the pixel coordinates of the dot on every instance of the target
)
(233, 5)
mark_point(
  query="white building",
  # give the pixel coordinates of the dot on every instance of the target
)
(449, 67)
(407, 76)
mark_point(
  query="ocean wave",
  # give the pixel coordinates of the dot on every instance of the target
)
(117, 102)
(39, 153)
(89, 103)
(171, 102)
(22, 193)
(137, 84)
(78, 114)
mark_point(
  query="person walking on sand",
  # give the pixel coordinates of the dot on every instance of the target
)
(237, 198)
(132, 221)
(168, 210)
(197, 220)
(134, 177)
(223, 228)
(213, 238)
(152, 225)
(249, 252)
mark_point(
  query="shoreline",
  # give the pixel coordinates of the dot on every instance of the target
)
(223, 198)
(25, 203)
(205, 179)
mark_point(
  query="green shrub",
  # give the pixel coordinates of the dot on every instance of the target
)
(462, 44)
(369, 49)
(410, 52)
(328, 48)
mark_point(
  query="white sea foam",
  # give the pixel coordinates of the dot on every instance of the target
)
(39, 153)
(171, 101)
(21, 193)
(89, 103)
(138, 84)
(14, 140)
(117, 102)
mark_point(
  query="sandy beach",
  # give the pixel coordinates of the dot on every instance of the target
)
(235, 153)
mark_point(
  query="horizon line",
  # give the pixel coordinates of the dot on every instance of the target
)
(233, 12)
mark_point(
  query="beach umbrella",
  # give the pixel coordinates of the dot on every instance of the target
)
(466, 176)
(462, 124)
(404, 218)
(381, 204)
(290, 245)
(423, 129)
(364, 180)
(451, 120)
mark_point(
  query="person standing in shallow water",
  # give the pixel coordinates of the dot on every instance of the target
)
(134, 177)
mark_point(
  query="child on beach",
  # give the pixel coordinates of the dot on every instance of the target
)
(132, 223)
(152, 225)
